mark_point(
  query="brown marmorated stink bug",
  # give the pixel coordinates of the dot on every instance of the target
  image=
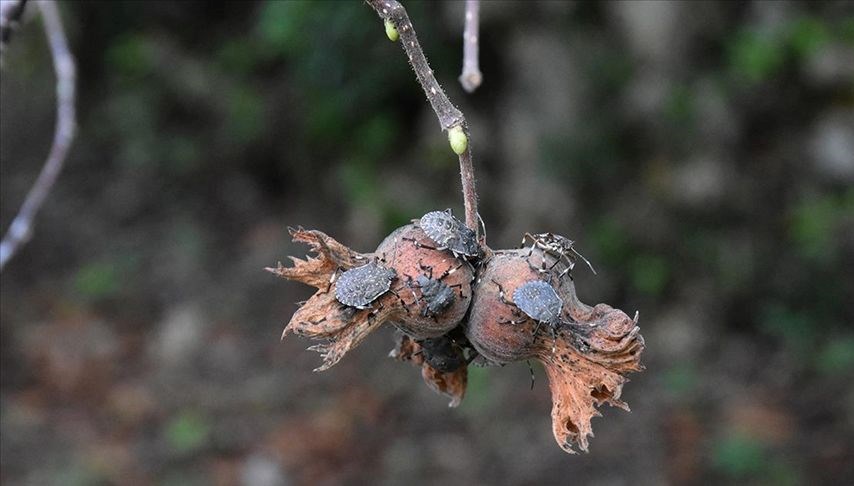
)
(450, 233)
(360, 286)
(539, 301)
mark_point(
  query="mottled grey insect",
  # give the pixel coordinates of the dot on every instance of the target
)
(558, 246)
(360, 286)
(539, 301)
(443, 354)
(450, 233)
(437, 295)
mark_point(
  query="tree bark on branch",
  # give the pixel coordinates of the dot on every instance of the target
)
(450, 117)
(20, 230)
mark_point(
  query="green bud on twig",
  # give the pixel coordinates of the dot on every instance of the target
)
(458, 139)
(391, 31)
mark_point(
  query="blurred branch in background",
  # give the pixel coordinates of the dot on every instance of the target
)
(11, 12)
(20, 230)
(450, 118)
(471, 76)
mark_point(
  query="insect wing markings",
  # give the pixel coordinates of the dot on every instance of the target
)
(439, 226)
(538, 300)
(449, 232)
(435, 293)
(360, 286)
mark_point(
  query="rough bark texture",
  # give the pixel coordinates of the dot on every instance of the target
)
(449, 115)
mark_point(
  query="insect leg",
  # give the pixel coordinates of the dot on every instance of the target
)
(501, 295)
(402, 302)
(418, 244)
(531, 369)
(585, 261)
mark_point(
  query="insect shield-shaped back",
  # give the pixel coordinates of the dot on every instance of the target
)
(539, 301)
(353, 296)
(436, 295)
(360, 286)
(450, 233)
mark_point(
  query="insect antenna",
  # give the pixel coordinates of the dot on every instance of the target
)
(585, 261)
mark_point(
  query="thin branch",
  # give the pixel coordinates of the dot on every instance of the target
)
(66, 77)
(471, 76)
(11, 12)
(448, 114)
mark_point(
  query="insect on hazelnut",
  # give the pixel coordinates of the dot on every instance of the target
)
(586, 351)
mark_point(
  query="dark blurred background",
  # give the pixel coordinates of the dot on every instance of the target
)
(700, 153)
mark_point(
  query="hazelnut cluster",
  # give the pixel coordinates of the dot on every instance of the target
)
(457, 302)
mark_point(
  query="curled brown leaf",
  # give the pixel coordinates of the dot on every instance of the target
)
(451, 385)
(322, 316)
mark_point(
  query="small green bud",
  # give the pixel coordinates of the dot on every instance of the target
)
(458, 140)
(391, 31)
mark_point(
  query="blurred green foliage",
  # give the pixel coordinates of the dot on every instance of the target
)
(797, 329)
(837, 356)
(478, 396)
(129, 57)
(757, 54)
(808, 35)
(816, 224)
(740, 456)
(680, 379)
(650, 273)
(187, 432)
(610, 241)
(97, 280)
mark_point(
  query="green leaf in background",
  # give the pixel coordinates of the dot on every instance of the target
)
(374, 137)
(610, 241)
(478, 396)
(238, 56)
(280, 26)
(739, 455)
(679, 106)
(650, 273)
(183, 154)
(797, 329)
(98, 280)
(680, 379)
(846, 31)
(837, 356)
(358, 177)
(807, 35)
(187, 431)
(813, 224)
(246, 115)
(756, 56)
(130, 57)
